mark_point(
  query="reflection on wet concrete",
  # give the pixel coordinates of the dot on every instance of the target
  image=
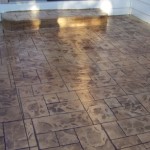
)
(76, 88)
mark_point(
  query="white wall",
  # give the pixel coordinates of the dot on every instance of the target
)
(138, 8)
(118, 7)
(141, 9)
(47, 5)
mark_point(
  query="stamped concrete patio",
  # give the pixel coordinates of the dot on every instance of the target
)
(76, 88)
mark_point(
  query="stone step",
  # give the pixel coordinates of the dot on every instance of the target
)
(24, 20)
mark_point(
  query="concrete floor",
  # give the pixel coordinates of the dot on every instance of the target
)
(76, 88)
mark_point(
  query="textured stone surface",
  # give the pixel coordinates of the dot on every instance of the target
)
(10, 114)
(65, 107)
(67, 137)
(47, 140)
(63, 121)
(1, 129)
(107, 92)
(93, 137)
(30, 133)
(8, 98)
(41, 89)
(15, 135)
(113, 130)
(67, 96)
(52, 98)
(135, 125)
(112, 102)
(139, 147)
(100, 113)
(144, 137)
(129, 111)
(126, 142)
(2, 144)
(68, 147)
(144, 98)
(75, 88)
(34, 107)
(147, 145)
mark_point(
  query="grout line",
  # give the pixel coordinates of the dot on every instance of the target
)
(35, 134)
(21, 108)
(4, 135)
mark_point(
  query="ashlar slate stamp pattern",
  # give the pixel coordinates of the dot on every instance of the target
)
(76, 88)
